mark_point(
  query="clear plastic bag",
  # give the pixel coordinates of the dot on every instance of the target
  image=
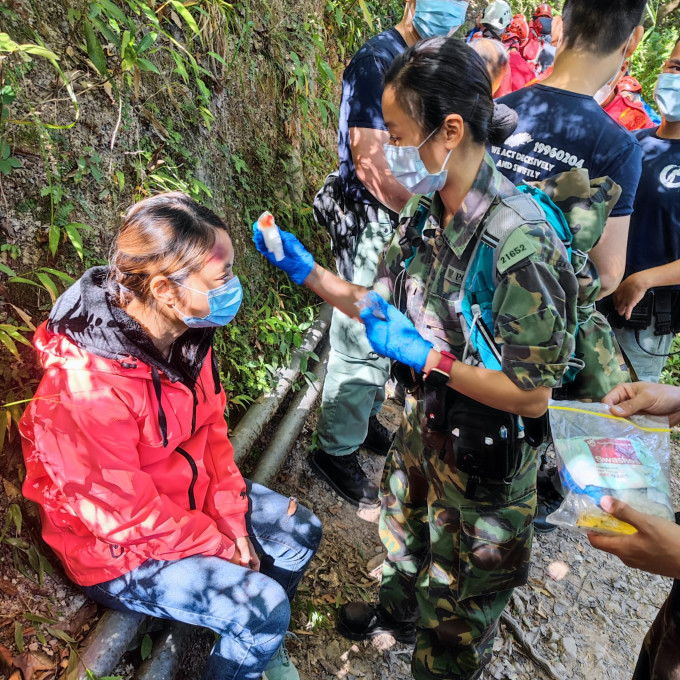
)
(599, 454)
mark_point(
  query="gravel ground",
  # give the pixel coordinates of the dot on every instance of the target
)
(583, 611)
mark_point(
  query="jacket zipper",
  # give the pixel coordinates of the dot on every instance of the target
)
(194, 477)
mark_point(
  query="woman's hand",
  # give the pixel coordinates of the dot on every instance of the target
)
(297, 260)
(654, 548)
(245, 554)
(642, 397)
(394, 336)
(629, 293)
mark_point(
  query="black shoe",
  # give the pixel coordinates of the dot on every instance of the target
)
(379, 438)
(360, 621)
(346, 477)
(549, 499)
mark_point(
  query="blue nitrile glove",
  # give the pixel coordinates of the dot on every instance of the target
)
(297, 261)
(395, 336)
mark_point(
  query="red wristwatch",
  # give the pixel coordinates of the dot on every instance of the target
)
(441, 373)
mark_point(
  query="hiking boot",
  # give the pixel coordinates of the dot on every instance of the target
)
(548, 499)
(280, 667)
(379, 438)
(346, 477)
(361, 620)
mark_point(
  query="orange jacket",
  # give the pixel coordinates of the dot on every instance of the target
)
(630, 113)
(111, 494)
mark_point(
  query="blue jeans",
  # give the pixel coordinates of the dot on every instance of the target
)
(249, 610)
(646, 366)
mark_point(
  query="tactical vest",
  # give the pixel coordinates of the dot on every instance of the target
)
(597, 364)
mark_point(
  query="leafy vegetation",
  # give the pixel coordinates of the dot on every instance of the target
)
(671, 372)
(108, 101)
(163, 68)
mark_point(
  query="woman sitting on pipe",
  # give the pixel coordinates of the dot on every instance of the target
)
(127, 452)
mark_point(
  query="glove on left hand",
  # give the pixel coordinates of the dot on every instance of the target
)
(394, 337)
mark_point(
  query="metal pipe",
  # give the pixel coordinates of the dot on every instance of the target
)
(290, 426)
(163, 661)
(107, 643)
(261, 412)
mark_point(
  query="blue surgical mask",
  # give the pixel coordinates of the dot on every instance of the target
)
(224, 302)
(438, 17)
(409, 170)
(667, 96)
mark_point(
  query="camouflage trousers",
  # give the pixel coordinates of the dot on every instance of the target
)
(660, 654)
(452, 561)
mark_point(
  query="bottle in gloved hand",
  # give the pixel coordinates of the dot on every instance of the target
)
(270, 232)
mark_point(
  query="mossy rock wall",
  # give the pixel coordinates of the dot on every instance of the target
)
(235, 104)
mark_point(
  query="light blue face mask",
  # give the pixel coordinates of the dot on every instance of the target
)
(667, 96)
(224, 302)
(439, 17)
(409, 170)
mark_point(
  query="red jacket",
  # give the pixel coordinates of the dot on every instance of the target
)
(517, 75)
(111, 494)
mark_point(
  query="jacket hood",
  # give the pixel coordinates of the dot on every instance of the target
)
(88, 316)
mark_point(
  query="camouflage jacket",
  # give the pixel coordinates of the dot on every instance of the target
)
(534, 305)
(586, 204)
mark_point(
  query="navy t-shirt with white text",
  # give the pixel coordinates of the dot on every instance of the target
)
(559, 130)
(361, 106)
(654, 238)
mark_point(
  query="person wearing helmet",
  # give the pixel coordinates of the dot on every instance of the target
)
(519, 28)
(542, 19)
(496, 18)
(541, 34)
(625, 105)
(519, 72)
(359, 205)
(528, 42)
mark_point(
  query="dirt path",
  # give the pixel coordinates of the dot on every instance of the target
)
(583, 611)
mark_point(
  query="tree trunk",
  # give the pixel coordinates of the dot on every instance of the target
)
(667, 9)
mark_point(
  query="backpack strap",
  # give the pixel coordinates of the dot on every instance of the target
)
(502, 224)
(503, 220)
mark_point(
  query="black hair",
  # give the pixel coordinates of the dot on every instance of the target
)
(600, 26)
(440, 76)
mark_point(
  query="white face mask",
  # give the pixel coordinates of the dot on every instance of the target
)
(607, 89)
(667, 96)
(409, 170)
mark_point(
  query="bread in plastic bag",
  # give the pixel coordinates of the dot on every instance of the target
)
(599, 454)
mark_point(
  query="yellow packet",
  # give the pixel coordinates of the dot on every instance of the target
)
(605, 523)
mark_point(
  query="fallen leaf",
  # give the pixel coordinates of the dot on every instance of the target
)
(329, 667)
(79, 621)
(12, 491)
(6, 660)
(31, 662)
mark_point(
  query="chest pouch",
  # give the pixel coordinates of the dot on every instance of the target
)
(483, 442)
